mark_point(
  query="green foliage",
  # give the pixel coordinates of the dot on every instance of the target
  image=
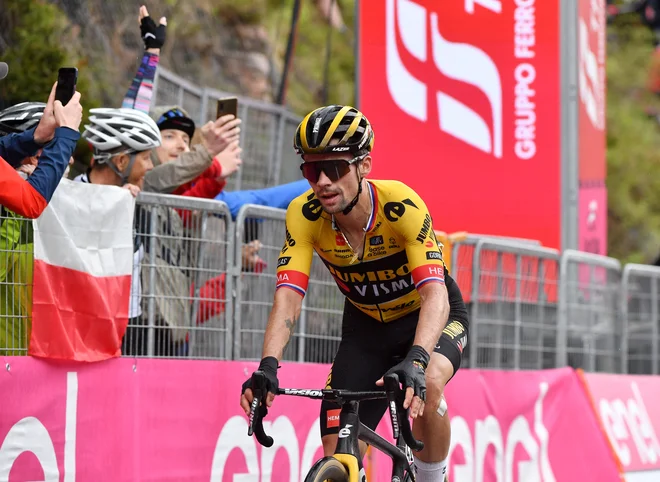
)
(305, 88)
(243, 13)
(633, 147)
(34, 53)
(37, 34)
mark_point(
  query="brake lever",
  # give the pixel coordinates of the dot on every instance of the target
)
(391, 388)
(255, 419)
(398, 416)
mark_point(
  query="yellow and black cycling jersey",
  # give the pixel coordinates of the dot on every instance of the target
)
(401, 252)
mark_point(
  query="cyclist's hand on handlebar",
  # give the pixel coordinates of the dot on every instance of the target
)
(411, 372)
(268, 367)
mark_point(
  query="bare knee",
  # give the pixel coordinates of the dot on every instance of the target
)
(438, 373)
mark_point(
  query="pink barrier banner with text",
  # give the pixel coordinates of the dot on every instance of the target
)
(629, 409)
(172, 420)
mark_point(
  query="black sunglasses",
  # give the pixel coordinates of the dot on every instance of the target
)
(335, 169)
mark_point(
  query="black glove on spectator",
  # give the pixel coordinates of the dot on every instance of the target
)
(152, 34)
(412, 369)
(269, 367)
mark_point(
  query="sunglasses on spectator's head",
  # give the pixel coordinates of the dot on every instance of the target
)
(335, 169)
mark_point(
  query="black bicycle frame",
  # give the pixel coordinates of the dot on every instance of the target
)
(350, 428)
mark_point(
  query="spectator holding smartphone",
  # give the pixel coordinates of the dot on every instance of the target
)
(177, 130)
(197, 171)
(55, 135)
(16, 240)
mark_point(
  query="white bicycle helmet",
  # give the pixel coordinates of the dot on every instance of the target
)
(21, 117)
(111, 129)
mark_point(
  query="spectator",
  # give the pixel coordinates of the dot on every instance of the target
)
(177, 129)
(122, 141)
(178, 167)
(55, 135)
(16, 245)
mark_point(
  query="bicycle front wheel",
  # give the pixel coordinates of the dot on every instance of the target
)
(328, 468)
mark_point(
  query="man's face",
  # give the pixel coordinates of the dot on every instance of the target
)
(333, 180)
(174, 143)
(141, 166)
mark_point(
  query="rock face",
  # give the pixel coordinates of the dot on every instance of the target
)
(225, 51)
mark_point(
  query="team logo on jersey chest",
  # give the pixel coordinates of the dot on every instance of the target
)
(378, 281)
(376, 240)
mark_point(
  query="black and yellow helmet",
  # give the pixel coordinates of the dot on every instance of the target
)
(345, 125)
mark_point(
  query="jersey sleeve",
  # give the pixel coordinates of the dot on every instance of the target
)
(295, 259)
(411, 219)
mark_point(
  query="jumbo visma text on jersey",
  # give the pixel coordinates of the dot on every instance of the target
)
(400, 254)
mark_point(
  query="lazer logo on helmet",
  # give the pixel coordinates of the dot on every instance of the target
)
(340, 149)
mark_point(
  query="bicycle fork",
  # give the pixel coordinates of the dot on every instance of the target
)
(348, 448)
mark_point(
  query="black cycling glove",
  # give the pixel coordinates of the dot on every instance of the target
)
(269, 367)
(411, 371)
(152, 34)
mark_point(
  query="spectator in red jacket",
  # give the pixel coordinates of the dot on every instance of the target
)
(177, 130)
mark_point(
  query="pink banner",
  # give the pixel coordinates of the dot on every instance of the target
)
(171, 420)
(630, 413)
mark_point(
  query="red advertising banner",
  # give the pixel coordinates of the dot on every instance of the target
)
(464, 97)
(630, 414)
(591, 81)
(592, 229)
(126, 420)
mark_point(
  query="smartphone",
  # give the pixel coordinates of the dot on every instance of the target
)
(66, 84)
(228, 105)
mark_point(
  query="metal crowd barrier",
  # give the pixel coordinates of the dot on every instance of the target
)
(640, 297)
(205, 285)
(182, 304)
(318, 330)
(462, 254)
(16, 259)
(513, 322)
(590, 327)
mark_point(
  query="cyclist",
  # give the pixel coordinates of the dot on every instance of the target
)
(122, 141)
(377, 240)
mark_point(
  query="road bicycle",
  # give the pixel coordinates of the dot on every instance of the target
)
(345, 465)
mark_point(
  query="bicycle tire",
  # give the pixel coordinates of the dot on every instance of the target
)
(327, 468)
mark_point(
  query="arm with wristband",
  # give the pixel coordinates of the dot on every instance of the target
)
(291, 285)
(280, 327)
(140, 92)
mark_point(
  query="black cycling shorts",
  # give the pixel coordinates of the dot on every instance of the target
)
(369, 348)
